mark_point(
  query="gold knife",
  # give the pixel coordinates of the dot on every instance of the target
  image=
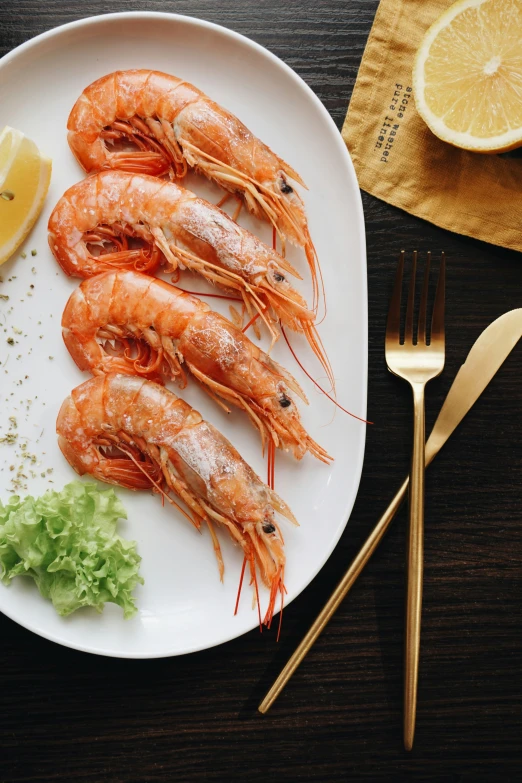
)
(486, 356)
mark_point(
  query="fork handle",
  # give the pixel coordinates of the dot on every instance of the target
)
(415, 567)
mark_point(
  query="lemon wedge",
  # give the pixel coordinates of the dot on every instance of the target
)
(467, 77)
(24, 181)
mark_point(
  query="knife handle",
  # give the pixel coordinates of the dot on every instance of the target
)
(340, 592)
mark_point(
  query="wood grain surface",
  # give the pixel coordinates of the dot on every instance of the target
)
(67, 716)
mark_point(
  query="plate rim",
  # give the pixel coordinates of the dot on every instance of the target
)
(362, 261)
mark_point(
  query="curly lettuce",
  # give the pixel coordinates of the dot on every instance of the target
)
(67, 542)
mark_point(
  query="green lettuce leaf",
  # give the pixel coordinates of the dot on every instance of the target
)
(67, 542)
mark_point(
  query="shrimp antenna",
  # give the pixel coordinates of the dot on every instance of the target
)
(365, 421)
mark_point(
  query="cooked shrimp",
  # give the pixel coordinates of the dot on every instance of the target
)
(132, 432)
(189, 232)
(158, 329)
(172, 125)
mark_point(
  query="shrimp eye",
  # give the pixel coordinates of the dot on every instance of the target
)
(284, 402)
(268, 527)
(278, 277)
(285, 187)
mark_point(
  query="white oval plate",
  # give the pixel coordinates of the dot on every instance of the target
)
(182, 606)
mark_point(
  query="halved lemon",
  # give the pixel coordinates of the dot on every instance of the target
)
(467, 76)
(24, 181)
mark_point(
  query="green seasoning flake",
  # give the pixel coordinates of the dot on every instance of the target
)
(7, 195)
(33, 252)
(67, 542)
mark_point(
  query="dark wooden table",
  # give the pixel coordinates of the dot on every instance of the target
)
(69, 716)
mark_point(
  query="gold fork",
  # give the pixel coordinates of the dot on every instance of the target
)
(417, 362)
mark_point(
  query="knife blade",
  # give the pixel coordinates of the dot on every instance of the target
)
(487, 355)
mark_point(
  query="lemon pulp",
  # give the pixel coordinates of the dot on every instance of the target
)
(24, 180)
(468, 75)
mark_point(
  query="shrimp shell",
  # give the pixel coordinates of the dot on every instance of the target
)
(175, 330)
(189, 231)
(134, 433)
(173, 125)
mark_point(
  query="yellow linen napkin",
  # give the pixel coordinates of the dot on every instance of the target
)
(399, 160)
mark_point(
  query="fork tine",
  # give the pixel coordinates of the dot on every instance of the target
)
(437, 322)
(393, 324)
(421, 331)
(408, 330)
